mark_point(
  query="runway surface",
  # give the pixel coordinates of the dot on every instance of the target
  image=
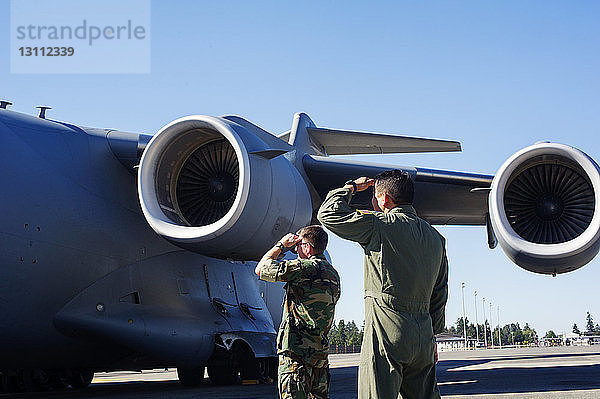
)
(571, 372)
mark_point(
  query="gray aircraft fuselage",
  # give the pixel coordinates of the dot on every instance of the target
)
(84, 279)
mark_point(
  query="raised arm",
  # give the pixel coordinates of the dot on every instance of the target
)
(336, 214)
(269, 260)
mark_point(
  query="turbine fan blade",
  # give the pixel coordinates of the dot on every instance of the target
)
(207, 183)
(549, 203)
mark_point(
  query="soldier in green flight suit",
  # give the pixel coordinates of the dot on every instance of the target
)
(406, 285)
(312, 290)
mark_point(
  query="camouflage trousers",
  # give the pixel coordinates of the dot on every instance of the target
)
(299, 381)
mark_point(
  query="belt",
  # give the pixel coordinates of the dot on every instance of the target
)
(399, 304)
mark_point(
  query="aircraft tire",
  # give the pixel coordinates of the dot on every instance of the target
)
(272, 368)
(58, 382)
(36, 380)
(190, 377)
(4, 382)
(222, 375)
(13, 383)
(250, 368)
(81, 378)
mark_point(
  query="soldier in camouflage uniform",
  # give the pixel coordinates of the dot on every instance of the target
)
(406, 286)
(312, 290)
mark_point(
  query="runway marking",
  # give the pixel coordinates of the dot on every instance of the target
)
(158, 375)
(576, 394)
(531, 363)
(456, 382)
(344, 360)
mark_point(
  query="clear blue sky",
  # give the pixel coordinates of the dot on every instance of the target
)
(497, 76)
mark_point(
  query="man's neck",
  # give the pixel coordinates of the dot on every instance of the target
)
(386, 209)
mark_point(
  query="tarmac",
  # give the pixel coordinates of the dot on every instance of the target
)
(508, 373)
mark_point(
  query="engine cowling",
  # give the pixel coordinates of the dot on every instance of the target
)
(544, 208)
(220, 187)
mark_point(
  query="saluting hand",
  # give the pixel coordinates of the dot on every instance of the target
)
(362, 183)
(290, 239)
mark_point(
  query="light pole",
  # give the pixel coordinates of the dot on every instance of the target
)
(484, 325)
(499, 336)
(462, 287)
(491, 324)
(476, 322)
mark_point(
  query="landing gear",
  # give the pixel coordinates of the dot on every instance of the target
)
(81, 378)
(232, 363)
(249, 365)
(35, 380)
(222, 375)
(58, 381)
(190, 376)
(10, 382)
(267, 369)
(40, 380)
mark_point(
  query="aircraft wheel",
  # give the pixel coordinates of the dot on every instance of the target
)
(4, 383)
(190, 377)
(27, 380)
(267, 369)
(57, 380)
(222, 375)
(81, 378)
(14, 382)
(38, 380)
(250, 368)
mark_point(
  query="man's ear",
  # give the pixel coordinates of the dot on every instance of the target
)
(388, 202)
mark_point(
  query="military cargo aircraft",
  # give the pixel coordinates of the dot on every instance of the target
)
(125, 251)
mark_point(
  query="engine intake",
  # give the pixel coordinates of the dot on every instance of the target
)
(549, 201)
(207, 183)
(543, 208)
(218, 186)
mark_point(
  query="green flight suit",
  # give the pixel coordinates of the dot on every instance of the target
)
(311, 292)
(406, 288)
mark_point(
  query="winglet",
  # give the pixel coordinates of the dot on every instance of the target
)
(300, 136)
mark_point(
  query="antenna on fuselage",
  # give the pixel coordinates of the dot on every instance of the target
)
(43, 109)
(5, 104)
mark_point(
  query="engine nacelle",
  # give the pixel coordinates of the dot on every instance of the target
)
(544, 208)
(220, 187)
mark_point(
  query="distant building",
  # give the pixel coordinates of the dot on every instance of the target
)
(448, 342)
(557, 341)
(583, 339)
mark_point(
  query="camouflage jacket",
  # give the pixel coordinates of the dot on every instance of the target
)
(312, 290)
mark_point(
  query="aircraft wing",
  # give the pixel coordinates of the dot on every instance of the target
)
(343, 142)
(441, 197)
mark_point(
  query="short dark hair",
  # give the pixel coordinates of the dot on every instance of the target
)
(397, 184)
(315, 236)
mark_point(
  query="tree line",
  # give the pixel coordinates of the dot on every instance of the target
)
(346, 333)
(510, 334)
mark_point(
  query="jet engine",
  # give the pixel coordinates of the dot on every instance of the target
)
(544, 208)
(221, 187)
